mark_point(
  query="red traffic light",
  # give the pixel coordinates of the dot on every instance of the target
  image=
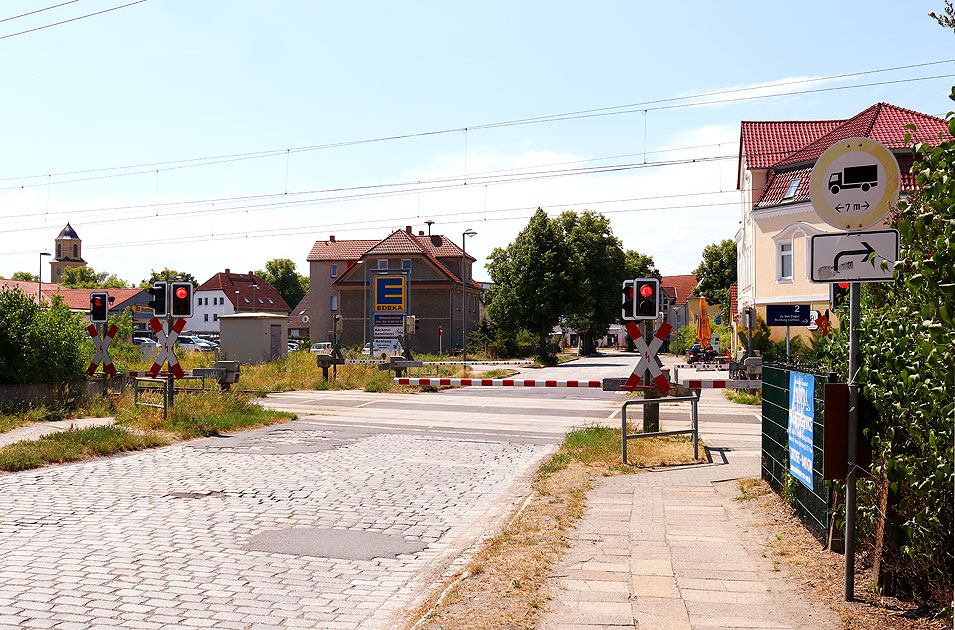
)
(843, 285)
(181, 293)
(97, 301)
(646, 290)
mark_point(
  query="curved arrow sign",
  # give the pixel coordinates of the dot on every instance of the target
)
(844, 257)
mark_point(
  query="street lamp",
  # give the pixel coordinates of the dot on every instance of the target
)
(364, 303)
(464, 295)
(254, 287)
(39, 279)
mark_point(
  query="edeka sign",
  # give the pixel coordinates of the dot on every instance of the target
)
(801, 391)
(389, 294)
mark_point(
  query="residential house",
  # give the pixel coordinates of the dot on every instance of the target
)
(675, 312)
(298, 320)
(78, 300)
(775, 166)
(341, 274)
(228, 293)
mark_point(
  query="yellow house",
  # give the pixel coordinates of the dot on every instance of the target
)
(775, 165)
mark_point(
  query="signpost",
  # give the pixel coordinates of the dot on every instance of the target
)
(390, 305)
(854, 184)
(648, 357)
(101, 343)
(844, 257)
(788, 315)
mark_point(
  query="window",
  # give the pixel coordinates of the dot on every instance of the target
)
(215, 317)
(246, 300)
(793, 186)
(260, 301)
(383, 264)
(334, 271)
(207, 302)
(334, 303)
(205, 317)
(785, 261)
(58, 250)
(198, 301)
(301, 312)
(75, 251)
(406, 264)
(270, 301)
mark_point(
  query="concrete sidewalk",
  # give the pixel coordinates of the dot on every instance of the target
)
(665, 550)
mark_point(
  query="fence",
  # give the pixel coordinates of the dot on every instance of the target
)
(812, 506)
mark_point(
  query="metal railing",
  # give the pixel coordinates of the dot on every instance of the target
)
(694, 422)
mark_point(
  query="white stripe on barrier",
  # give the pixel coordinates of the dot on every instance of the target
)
(722, 384)
(494, 382)
(365, 361)
(477, 363)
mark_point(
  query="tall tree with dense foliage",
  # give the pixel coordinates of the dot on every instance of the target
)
(598, 264)
(533, 281)
(88, 278)
(716, 272)
(640, 266)
(25, 276)
(168, 275)
(281, 275)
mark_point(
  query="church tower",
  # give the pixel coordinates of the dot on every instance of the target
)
(69, 253)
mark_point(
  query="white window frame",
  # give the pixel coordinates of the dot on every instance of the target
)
(406, 264)
(781, 277)
(382, 264)
(334, 303)
(334, 271)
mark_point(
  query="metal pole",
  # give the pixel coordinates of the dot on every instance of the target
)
(464, 306)
(787, 342)
(695, 420)
(364, 308)
(855, 306)
(623, 431)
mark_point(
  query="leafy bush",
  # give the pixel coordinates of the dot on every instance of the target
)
(39, 345)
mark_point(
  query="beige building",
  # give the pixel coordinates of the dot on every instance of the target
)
(775, 165)
(68, 253)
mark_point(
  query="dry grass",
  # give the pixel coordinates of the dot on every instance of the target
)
(502, 586)
(819, 573)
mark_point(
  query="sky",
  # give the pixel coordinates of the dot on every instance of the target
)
(218, 134)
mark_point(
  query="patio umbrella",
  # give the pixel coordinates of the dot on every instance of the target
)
(703, 332)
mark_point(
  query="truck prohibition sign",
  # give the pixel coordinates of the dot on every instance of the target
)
(864, 177)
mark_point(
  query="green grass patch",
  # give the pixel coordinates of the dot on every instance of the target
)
(73, 445)
(12, 422)
(202, 414)
(743, 397)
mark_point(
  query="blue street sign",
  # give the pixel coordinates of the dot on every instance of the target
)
(787, 314)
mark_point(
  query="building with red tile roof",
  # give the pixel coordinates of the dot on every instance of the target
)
(776, 162)
(78, 300)
(228, 293)
(341, 274)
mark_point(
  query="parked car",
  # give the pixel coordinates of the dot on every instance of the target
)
(699, 354)
(383, 348)
(190, 342)
(141, 340)
(322, 347)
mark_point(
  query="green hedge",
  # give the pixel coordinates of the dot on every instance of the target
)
(39, 345)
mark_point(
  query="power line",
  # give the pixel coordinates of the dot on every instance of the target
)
(383, 190)
(55, 6)
(82, 17)
(470, 216)
(652, 105)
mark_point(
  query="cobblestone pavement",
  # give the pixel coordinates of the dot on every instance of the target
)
(342, 519)
(161, 539)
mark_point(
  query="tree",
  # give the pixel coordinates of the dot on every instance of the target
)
(947, 18)
(25, 276)
(281, 274)
(88, 278)
(716, 272)
(640, 266)
(598, 265)
(39, 345)
(168, 275)
(532, 280)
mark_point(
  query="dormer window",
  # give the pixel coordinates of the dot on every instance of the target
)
(793, 186)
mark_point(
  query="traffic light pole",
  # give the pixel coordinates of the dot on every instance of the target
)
(651, 411)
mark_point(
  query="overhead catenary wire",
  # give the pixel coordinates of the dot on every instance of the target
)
(81, 17)
(651, 105)
(55, 6)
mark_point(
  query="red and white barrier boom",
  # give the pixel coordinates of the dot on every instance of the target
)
(102, 350)
(494, 382)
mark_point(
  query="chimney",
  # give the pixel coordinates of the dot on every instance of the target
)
(226, 271)
(420, 232)
(408, 229)
(331, 238)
